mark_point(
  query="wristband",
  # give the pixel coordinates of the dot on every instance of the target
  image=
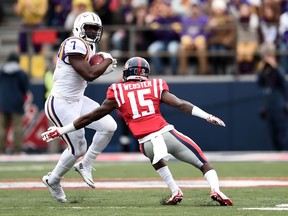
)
(196, 111)
(67, 128)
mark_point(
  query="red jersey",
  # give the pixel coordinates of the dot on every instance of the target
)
(139, 105)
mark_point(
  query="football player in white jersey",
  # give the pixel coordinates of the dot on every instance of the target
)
(67, 102)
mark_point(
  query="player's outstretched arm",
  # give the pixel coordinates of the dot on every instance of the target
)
(54, 132)
(187, 107)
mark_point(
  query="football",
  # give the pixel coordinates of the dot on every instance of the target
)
(96, 59)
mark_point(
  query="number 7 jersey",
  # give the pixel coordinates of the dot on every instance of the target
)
(139, 104)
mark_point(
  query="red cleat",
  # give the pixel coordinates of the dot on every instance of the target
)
(221, 198)
(176, 197)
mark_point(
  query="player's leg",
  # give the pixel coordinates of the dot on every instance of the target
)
(104, 128)
(185, 149)
(164, 172)
(62, 112)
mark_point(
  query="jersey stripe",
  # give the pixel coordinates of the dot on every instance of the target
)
(160, 86)
(53, 117)
(155, 88)
(121, 93)
(116, 94)
(139, 66)
(61, 51)
(190, 144)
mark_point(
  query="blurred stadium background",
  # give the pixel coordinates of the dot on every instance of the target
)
(234, 97)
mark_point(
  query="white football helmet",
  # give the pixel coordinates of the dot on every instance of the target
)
(92, 19)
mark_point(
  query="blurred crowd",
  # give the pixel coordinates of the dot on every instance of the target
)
(174, 34)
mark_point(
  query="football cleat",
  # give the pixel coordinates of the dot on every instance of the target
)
(176, 198)
(55, 189)
(85, 172)
(221, 198)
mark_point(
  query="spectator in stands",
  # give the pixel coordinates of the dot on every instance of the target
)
(32, 13)
(181, 7)
(102, 9)
(222, 35)
(14, 86)
(58, 11)
(164, 39)
(271, 78)
(78, 7)
(193, 38)
(122, 15)
(268, 26)
(283, 36)
(56, 15)
(247, 39)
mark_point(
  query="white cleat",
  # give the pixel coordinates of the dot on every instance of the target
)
(86, 173)
(55, 189)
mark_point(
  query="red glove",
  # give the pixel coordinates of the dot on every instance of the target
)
(51, 134)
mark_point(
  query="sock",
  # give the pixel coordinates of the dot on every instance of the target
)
(99, 143)
(212, 179)
(166, 175)
(64, 164)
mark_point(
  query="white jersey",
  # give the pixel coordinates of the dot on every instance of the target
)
(67, 82)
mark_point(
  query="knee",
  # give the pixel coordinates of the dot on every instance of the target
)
(80, 148)
(110, 127)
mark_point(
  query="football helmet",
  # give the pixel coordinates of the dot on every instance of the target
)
(136, 68)
(80, 27)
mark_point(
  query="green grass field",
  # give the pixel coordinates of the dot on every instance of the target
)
(144, 202)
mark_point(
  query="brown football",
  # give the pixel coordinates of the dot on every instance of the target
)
(96, 59)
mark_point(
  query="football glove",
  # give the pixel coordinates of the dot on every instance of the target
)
(215, 120)
(111, 67)
(51, 134)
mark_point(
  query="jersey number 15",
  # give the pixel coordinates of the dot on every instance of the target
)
(141, 102)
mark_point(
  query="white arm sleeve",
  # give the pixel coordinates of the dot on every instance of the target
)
(196, 111)
(66, 129)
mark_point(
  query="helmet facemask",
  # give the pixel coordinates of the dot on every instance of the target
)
(91, 33)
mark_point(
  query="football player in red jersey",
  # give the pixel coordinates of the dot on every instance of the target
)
(138, 100)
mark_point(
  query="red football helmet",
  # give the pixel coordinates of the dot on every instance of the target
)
(136, 68)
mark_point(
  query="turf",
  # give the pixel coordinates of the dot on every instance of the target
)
(143, 202)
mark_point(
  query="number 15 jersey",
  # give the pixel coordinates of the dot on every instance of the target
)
(139, 105)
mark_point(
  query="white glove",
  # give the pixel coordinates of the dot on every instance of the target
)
(106, 55)
(111, 67)
(51, 134)
(215, 120)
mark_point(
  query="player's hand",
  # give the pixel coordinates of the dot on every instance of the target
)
(215, 120)
(106, 55)
(111, 67)
(51, 134)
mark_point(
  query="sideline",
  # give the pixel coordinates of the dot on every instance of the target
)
(222, 156)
